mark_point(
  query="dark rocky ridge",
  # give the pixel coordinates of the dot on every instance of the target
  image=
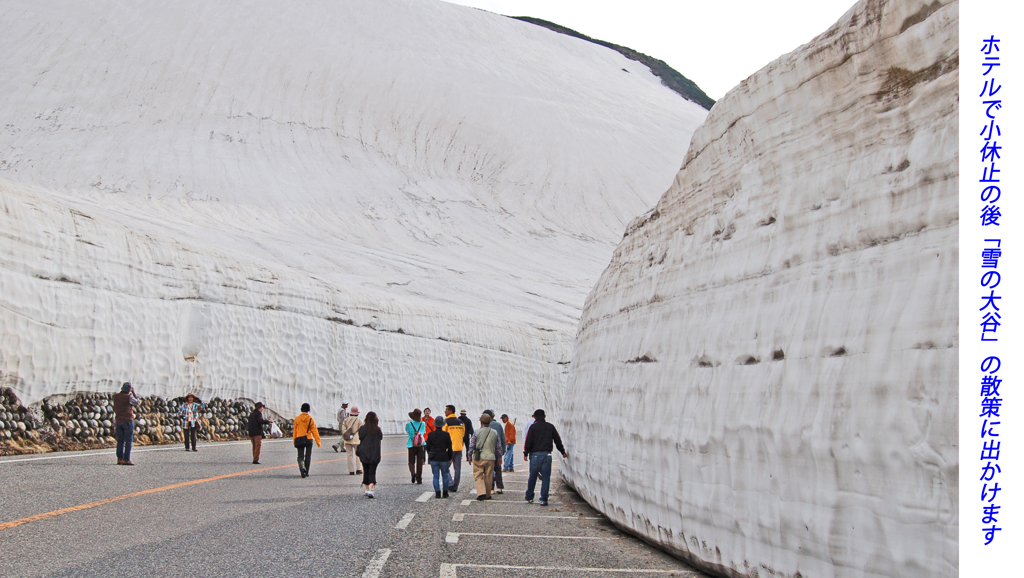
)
(669, 76)
(86, 421)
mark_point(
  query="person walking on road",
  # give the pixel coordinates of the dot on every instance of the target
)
(499, 484)
(370, 439)
(124, 423)
(189, 413)
(342, 416)
(482, 456)
(460, 439)
(440, 454)
(417, 432)
(537, 450)
(510, 443)
(349, 431)
(256, 423)
(303, 433)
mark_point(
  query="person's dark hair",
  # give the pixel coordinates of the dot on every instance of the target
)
(450, 408)
(305, 407)
(371, 422)
(539, 414)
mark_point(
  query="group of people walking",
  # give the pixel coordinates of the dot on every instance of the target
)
(441, 442)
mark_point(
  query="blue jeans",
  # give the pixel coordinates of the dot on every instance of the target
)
(540, 465)
(440, 469)
(124, 432)
(509, 457)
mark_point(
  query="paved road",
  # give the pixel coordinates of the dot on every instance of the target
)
(166, 517)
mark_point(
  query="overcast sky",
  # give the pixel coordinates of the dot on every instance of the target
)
(713, 43)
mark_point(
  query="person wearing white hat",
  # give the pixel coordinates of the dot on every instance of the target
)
(349, 429)
(342, 414)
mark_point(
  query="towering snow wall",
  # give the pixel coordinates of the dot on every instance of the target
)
(400, 202)
(765, 376)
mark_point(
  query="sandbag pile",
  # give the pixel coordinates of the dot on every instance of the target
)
(86, 421)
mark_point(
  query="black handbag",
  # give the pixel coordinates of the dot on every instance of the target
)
(305, 441)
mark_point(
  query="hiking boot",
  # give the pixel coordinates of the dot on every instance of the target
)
(127, 463)
(335, 448)
(444, 494)
(120, 462)
(437, 495)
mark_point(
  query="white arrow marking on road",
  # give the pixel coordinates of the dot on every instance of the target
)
(426, 496)
(404, 522)
(374, 568)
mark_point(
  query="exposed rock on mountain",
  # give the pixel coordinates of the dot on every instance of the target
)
(765, 380)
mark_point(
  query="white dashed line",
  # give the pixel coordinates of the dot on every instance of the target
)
(466, 502)
(425, 496)
(374, 568)
(453, 537)
(404, 522)
(449, 570)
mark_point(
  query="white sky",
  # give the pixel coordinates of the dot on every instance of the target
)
(715, 43)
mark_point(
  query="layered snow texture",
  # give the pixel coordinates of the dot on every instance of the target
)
(399, 202)
(765, 381)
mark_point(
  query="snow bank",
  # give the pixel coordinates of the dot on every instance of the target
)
(399, 202)
(765, 377)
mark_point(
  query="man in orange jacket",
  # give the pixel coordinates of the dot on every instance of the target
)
(510, 440)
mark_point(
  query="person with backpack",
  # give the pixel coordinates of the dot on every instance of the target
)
(303, 433)
(457, 430)
(417, 431)
(440, 455)
(483, 447)
(349, 431)
(370, 439)
(189, 413)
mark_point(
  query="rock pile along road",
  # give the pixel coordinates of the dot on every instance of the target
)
(213, 513)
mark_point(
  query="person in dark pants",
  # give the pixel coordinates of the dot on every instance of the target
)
(124, 423)
(417, 432)
(368, 452)
(303, 433)
(189, 412)
(537, 451)
(440, 454)
(256, 423)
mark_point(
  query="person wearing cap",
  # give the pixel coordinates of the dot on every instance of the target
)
(510, 442)
(467, 422)
(189, 413)
(417, 432)
(124, 423)
(342, 414)
(256, 423)
(349, 431)
(304, 432)
(499, 484)
(537, 450)
(440, 455)
(460, 439)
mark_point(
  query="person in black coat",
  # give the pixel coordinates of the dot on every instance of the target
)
(256, 423)
(440, 455)
(368, 451)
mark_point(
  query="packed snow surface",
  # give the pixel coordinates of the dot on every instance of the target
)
(765, 380)
(399, 202)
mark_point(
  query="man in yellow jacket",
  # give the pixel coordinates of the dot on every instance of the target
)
(303, 433)
(455, 428)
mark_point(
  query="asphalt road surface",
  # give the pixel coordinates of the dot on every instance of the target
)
(213, 513)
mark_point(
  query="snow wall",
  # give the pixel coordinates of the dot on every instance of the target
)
(765, 379)
(399, 202)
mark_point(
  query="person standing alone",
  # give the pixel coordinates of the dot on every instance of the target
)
(510, 442)
(124, 423)
(370, 439)
(537, 450)
(303, 433)
(256, 423)
(189, 412)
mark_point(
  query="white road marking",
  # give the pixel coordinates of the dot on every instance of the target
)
(425, 496)
(466, 502)
(461, 517)
(374, 568)
(453, 537)
(449, 570)
(404, 522)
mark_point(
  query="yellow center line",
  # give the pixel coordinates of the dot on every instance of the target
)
(38, 517)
